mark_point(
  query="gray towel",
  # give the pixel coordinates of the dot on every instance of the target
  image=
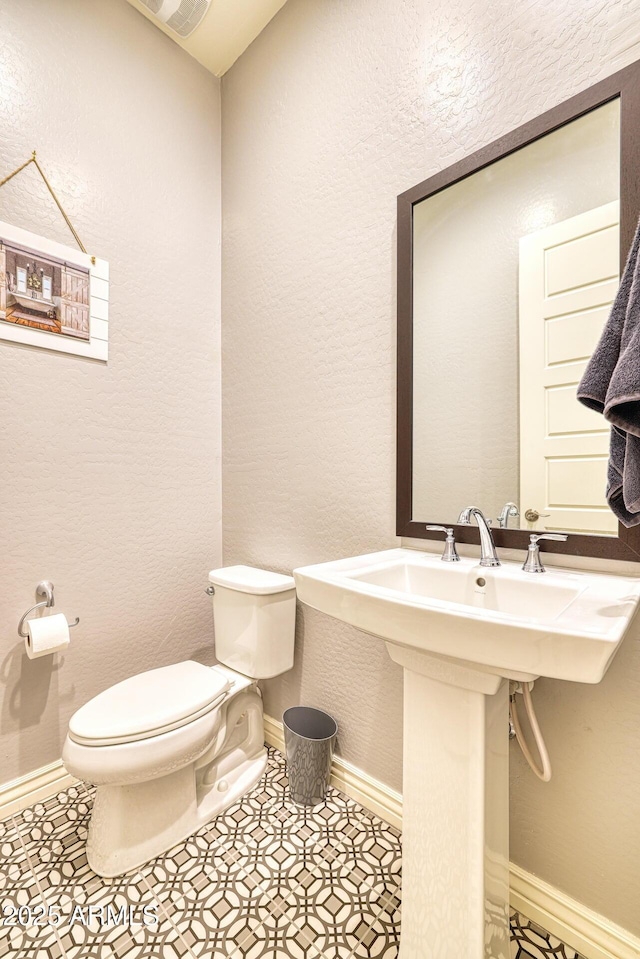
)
(611, 386)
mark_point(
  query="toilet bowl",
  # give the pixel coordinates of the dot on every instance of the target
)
(171, 748)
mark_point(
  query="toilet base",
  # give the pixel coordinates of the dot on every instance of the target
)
(132, 824)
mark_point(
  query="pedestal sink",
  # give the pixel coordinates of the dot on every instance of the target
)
(461, 632)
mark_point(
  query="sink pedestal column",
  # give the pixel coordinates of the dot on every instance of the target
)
(455, 810)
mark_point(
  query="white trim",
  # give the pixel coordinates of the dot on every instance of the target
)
(586, 931)
(273, 733)
(373, 795)
(33, 787)
(591, 934)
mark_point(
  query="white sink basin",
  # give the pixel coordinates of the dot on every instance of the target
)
(460, 631)
(561, 624)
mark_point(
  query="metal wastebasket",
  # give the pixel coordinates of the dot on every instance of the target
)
(309, 737)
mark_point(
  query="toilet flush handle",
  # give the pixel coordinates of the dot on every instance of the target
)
(210, 591)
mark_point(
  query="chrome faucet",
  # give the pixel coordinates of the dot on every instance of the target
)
(509, 509)
(488, 555)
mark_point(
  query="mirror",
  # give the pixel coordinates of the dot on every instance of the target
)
(508, 263)
(514, 272)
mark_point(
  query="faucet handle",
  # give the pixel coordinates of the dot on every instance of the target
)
(450, 554)
(533, 563)
(560, 537)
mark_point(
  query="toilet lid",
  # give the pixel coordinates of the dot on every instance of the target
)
(148, 704)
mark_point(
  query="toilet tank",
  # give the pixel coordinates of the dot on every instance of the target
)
(254, 615)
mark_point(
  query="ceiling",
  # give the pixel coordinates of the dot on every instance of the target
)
(228, 27)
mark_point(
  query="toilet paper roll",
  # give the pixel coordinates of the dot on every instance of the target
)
(46, 635)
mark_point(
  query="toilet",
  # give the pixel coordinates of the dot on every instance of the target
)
(171, 748)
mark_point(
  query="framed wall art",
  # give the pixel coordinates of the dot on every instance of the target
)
(52, 295)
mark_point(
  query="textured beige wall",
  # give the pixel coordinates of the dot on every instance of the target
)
(335, 109)
(110, 473)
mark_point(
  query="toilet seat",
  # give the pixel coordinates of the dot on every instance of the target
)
(149, 704)
(142, 760)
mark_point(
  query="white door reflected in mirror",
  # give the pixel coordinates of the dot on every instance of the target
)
(569, 274)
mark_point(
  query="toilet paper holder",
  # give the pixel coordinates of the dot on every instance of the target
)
(44, 592)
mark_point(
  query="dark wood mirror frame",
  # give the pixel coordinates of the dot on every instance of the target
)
(625, 86)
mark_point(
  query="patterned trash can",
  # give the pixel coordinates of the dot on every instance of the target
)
(309, 737)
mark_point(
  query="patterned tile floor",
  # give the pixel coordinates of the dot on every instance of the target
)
(265, 880)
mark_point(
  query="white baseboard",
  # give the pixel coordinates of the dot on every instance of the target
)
(586, 931)
(373, 795)
(33, 787)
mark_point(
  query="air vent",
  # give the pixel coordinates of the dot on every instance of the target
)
(153, 5)
(179, 16)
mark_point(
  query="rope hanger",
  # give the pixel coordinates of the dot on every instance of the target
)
(32, 159)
